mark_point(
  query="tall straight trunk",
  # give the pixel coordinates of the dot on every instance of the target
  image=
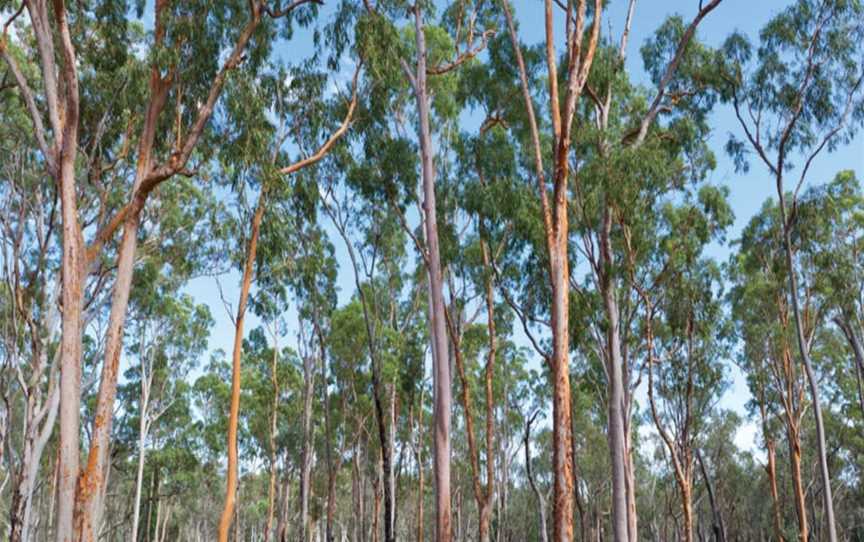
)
(92, 486)
(420, 488)
(556, 228)
(489, 373)
(804, 351)
(154, 481)
(70, 375)
(59, 149)
(142, 436)
(274, 409)
(417, 448)
(306, 468)
(632, 516)
(687, 508)
(234, 414)
(614, 370)
(333, 466)
(441, 363)
(285, 506)
(718, 527)
(377, 489)
(331, 506)
(71, 324)
(390, 473)
(158, 519)
(798, 483)
(540, 498)
(562, 458)
(356, 495)
(771, 470)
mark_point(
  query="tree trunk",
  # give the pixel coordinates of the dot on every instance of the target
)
(306, 468)
(377, 489)
(804, 351)
(556, 228)
(719, 528)
(70, 375)
(248, 271)
(274, 410)
(771, 469)
(615, 374)
(486, 509)
(541, 499)
(282, 523)
(390, 474)
(36, 440)
(441, 363)
(632, 516)
(63, 100)
(798, 483)
(562, 459)
(356, 495)
(417, 448)
(687, 508)
(139, 477)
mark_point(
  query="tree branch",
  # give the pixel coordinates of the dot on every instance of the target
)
(654, 109)
(325, 148)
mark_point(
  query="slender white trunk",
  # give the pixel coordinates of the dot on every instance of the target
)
(306, 472)
(441, 363)
(142, 437)
(614, 370)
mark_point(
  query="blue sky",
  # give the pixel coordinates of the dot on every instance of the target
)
(747, 191)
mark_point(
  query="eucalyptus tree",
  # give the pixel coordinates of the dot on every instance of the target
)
(498, 216)
(388, 160)
(763, 312)
(830, 217)
(472, 340)
(635, 151)
(627, 133)
(250, 107)
(687, 348)
(579, 57)
(171, 335)
(463, 18)
(802, 93)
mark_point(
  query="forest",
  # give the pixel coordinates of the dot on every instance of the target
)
(448, 271)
